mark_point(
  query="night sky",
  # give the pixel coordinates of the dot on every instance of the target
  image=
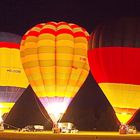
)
(89, 110)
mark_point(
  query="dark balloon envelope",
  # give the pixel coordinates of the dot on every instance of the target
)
(114, 57)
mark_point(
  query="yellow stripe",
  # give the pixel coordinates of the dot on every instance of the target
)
(65, 37)
(46, 56)
(46, 36)
(38, 82)
(36, 76)
(63, 74)
(35, 28)
(122, 95)
(78, 64)
(46, 49)
(30, 64)
(28, 45)
(123, 117)
(31, 39)
(35, 70)
(28, 58)
(81, 51)
(64, 57)
(28, 51)
(77, 29)
(65, 49)
(64, 43)
(50, 26)
(82, 78)
(5, 107)
(49, 92)
(81, 45)
(81, 40)
(48, 63)
(62, 60)
(10, 58)
(11, 70)
(46, 42)
(64, 27)
(86, 67)
(15, 79)
(33, 51)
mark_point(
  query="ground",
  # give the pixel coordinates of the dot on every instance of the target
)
(48, 135)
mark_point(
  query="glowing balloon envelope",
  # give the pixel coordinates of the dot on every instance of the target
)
(54, 57)
(114, 57)
(13, 80)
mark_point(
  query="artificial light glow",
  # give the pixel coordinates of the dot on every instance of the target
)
(56, 110)
(124, 117)
(1, 120)
(1, 106)
(124, 113)
(5, 107)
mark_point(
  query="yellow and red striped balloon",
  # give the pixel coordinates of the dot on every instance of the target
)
(54, 57)
(13, 80)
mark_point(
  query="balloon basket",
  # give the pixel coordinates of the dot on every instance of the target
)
(1, 126)
(56, 130)
(127, 129)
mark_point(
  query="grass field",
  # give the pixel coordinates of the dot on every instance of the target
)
(48, 135)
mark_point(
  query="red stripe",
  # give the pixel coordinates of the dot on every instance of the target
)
(39, 25)
(48, 30)
(9, 45)
(33, 33)
(74, 26)
(88, 37)
(62, 31)
(62, 23)
(126, 110)
(115, 64)
(52, 23)
(83, 29)
(79, 34)
(86, 33)
(24, 37)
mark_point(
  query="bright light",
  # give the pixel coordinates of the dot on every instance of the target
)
(124, 117)
(1, 120)
(5, 107)
(1, 105)
(56, 110)
(124, 113)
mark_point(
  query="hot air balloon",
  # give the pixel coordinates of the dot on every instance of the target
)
(54, 57)
(13, 80)
(114, 57)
